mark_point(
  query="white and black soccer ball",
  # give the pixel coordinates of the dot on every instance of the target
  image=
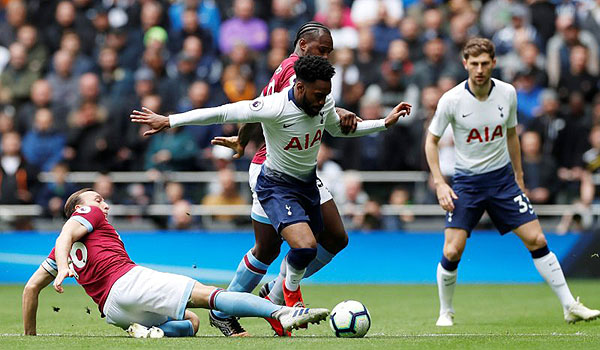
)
(350, 319)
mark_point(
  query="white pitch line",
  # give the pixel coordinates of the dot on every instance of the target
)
(375, 335)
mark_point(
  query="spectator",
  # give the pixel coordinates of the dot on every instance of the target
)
(54, 193)
(208, 14)
(105, 187)
(355, 199)
(16, 79)
(366, 59)
(346, 86)
(280, 39)
(41, 97)
(549, 123)
(87, 146)
(71, 43)
(410, 32)
(578, 77)
(367, 150)
(199, 96)
(410, 138)
(495, 15)
(343, 35)
(43, 145)
(568, 34)
(191, 27)
(238, 84)
(428, 71)
(115, 81)
(543, 17)
(400, 198)
(539, 171)
(63, 80)
(37, 54)
(208, 68)
(173, 150)
(366, 13)
(395, 82)
(66, 19)
(16, 15)
(519, 23)
(569, 147)
(181, 218)
(527, 57)
(244, 28)
(229, 195)
(335, 5)
(288, 14)
(528, 95)
(18, 178)
(128, 50)
(433, 19)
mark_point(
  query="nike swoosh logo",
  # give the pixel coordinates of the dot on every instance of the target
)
(466, 115)
(287, 125)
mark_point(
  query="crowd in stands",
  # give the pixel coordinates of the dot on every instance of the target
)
(71, 71)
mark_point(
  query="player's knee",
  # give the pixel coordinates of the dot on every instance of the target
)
(299, 258)
(452, 252)
(266, 253)
(539, 241)
(334, 243)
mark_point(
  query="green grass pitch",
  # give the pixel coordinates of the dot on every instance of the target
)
(487, 317)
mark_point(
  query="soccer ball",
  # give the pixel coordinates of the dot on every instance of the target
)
(350, 319)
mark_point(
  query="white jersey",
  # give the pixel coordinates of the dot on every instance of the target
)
(479, 126)
(292, 137)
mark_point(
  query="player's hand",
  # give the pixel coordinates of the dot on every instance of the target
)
(401, 110)
(156, 122)
(348, 120)
(60, 277)
(232, 142)
(520, 181)
(446, 196)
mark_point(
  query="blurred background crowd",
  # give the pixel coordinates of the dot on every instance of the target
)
(71, 71)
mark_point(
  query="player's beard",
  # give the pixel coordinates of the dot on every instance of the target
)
(306, 107)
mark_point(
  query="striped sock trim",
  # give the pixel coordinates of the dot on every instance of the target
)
(213, 297)
(253, 268)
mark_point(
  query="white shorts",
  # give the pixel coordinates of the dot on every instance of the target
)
(147, 297)
(258, 212)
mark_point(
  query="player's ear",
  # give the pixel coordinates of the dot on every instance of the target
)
(302, 43)
(464, 62)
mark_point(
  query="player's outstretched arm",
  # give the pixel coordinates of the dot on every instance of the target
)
(156, 122)
(40, 279)
(401, 110)
(444, 192)
(71, 232)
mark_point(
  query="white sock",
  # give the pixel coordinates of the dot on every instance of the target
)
(446, 281)
(276, 293)
(293, 277)
(549, 268)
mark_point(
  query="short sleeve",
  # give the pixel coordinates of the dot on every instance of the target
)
(50, 264)
(512, 117)
(442, 117)
(90, 217)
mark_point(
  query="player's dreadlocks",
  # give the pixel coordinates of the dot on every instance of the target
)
(309, 31)
(312, 68)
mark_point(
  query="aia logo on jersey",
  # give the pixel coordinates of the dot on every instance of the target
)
(484, 135)
(295, 141)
